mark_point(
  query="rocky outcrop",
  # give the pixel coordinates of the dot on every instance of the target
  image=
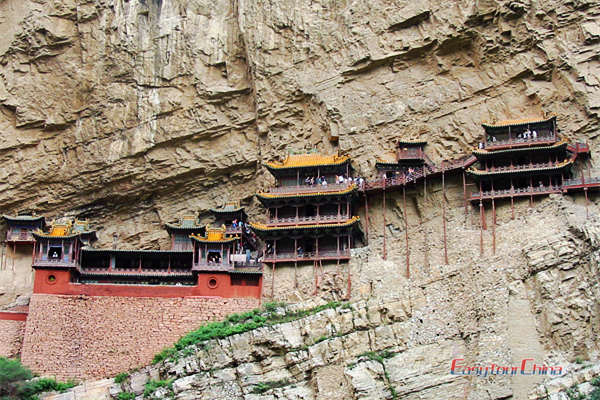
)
(400, 339)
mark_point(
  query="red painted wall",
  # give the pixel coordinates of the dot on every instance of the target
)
(13, 316)
(62, 285)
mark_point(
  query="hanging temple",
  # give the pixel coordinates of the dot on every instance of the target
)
(310, 218)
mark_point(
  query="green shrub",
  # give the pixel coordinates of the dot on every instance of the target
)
(152, 385)
(15, 382)
(12, 375)
(262, 387)
(121, 377)
(126, 396)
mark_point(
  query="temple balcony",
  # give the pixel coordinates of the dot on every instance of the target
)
(103, 271)
(516, 192)
(581, 183)
(300, 189)
(19, 237)
(312, 220)
(307, 256)
(544, 137)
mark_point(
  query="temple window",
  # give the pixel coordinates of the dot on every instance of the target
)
(55, 252)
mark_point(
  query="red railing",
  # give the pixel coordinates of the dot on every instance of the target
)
(307, 255)
(516, 192)
(308, 220)
(330, 187)
(542, 137)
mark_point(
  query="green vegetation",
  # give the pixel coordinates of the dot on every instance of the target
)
(270, 314)
(153, 385)
(16, 383)
(579, 360)
(121, 377)
(380, 356)
(126, 396)
(262, 387)
(595, 394)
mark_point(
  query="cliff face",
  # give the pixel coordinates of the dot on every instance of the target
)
(133, 112)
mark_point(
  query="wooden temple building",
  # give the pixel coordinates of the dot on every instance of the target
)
(199, 263)
(309, 212)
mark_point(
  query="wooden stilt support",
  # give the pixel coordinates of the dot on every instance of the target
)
(465, 195)
(316, 277)
(384, 256)
(587, 202)
(349, 291)
(273, 282)
(406, 231)
(481, 212)
(444, 214)
(14, 255)
(483, 221)
(366, 218)
(296, 274)
(493, 226)
(512, 207)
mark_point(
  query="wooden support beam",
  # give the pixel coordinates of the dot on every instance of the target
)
(296, 274)
(406, 231)
(273, 281)
(366, 217)
(493, 226)
(587, 201)
(444, 214)
(481, 212)
(483, 221)
(384, 225)
(465, 195)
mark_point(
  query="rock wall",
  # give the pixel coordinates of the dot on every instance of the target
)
(400, 335)
(11, 338)
(131, 113)
(85, 337)
(16, 275)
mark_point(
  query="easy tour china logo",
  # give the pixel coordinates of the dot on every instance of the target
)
(527, 367)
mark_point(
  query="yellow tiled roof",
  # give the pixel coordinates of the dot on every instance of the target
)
(521, 121)
(308, 160)
(214, 235)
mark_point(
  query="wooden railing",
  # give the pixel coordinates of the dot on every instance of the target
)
(307, 255)
(544, 136)
(532, 190)
(308, 220)
(330, 187)
(523, 167)
(19, 237)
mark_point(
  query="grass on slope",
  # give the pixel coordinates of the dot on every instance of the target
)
(270, 314)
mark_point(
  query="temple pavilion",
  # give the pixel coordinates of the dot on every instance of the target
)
(180, 232)
(520, 158)
(408, 154)
(309, 211)
(21, 227)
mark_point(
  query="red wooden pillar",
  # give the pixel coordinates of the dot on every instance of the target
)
(406, 231)
(465, 194)
(481, 213)
(273, 281)
(483, 221)
(512, 200)
(444, 213)
(349, 275)
(384, 224)
(493, 226)
(531, 191)
(366, 217)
